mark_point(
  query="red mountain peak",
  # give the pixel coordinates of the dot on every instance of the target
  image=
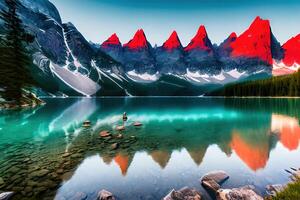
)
(139, 40)
(200, 40)
(232, 35)
(255, 42)
(113, 40)
(292, 51)
(173, 42)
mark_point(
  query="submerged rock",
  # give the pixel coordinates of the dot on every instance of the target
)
(120, 128)
(105, 195)
(39, 173)
(6, 195)
(114, 146)
(1, 181)
(104, 133)
(242, 193)
(79, 196)
(137, 124)
(183, 194)
(218, 176)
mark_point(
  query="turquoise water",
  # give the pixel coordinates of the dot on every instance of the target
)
(46, 153)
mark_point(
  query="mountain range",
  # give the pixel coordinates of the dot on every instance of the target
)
(66, 64)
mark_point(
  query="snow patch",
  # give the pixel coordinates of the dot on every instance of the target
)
(143, 77)
(279, 68)
(80, 83)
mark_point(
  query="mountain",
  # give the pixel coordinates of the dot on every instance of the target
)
(170, 56)
(113, 47)
(65, 63)
(200, 54)
(292, 51)
(138, 54)
(256, 47)
(225, 48)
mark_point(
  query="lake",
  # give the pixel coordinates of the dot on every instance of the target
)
(45, 153)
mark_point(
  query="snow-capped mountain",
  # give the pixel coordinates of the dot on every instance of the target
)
(66, 63)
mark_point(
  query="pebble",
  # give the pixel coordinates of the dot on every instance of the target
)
(120, 128)
(39, 173)
(137, 124)
(104, 134)
(114, 146)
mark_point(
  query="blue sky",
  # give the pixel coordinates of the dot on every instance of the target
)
(98, 19)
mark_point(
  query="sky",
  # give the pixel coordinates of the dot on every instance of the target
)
(98, 19)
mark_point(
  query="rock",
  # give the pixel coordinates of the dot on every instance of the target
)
(120, 128)
(119, 136)
(79, 196)
(217, 176)
(137, 124)
(211, 185)
(104, 134)
(39, 173)
(67, 176)
(60, 171)
(105, 195)
(295, 174)
(183, 194)
(66, 155)
(114, 146)
(272, 190)
(6, 195)
(242, 193)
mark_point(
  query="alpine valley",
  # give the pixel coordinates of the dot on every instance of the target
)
(66, 64)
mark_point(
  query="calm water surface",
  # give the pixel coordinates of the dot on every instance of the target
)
(46, 154)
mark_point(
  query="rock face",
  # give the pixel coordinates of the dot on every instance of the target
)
(291, 51)
(242, 193)
(105, 195)
(255, 42)
(138, 54)
(183, 194)
(113, 47)
(200, 54)
(170, 57)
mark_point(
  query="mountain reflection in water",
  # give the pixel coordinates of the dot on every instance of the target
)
(180, 140)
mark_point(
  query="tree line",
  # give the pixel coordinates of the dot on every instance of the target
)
(287, 85)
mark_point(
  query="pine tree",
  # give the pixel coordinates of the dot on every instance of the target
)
(14, 59)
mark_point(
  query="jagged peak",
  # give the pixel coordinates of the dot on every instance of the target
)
(200, 40)
(138, 41)
(172, 42)
(113, 40)
(232, 35)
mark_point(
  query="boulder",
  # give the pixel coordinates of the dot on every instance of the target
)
(105, 195)
(6, 195)
(242, 193)
(218, 176)
(211, 185)
(183, 194)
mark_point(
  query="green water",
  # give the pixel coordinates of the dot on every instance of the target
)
(45, 153)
